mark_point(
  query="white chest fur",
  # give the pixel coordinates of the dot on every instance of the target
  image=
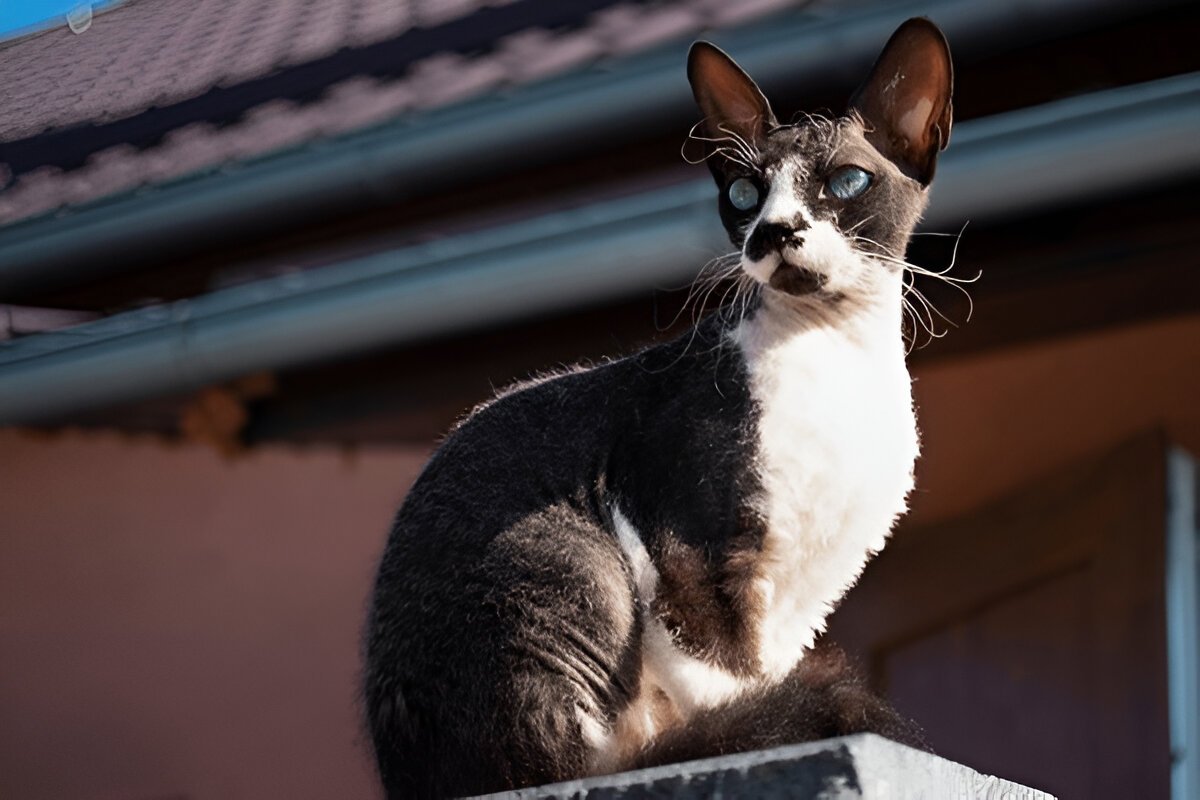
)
(838, 440)
(837, 443)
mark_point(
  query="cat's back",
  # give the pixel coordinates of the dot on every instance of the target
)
(559, 435)
(503, 551)
(533, 448)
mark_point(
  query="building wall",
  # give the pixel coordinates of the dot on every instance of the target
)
(174, 624)
(992, 422)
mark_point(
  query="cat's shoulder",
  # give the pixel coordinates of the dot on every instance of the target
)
(547, 387)
(701, 350)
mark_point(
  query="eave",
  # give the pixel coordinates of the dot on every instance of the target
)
(1021, 162)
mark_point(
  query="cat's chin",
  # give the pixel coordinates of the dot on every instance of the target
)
(796, 280)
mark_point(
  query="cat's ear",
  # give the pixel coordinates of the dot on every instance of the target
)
(906, 100)
(732, 104)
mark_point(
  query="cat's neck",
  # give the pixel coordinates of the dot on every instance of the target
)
(780, 320)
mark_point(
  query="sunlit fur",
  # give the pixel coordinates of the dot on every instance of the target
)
(837, 433)
(838, 436)
(628, 564)
(838, 440)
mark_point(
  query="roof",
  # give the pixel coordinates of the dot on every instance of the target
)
(192, 196)
(1096, 145)
(157, 89)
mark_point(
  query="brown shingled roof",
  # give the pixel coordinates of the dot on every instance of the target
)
(147, 53)
(107, 111)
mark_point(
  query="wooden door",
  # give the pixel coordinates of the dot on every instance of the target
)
(1028, 639)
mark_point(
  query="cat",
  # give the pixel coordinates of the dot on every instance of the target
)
(629, 564)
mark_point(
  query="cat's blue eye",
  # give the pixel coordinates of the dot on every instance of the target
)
(848, 182)
(743, 194)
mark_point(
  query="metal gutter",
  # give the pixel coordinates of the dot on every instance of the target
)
(1016, 163)
(532, 126)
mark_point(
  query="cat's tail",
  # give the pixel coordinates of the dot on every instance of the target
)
(822, 698)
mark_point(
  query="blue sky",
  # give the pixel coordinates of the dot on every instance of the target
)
(19, 15)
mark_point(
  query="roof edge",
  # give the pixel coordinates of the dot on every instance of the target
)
(1075, 149)
(394, 161)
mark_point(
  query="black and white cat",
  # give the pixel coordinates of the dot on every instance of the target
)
(627, 564)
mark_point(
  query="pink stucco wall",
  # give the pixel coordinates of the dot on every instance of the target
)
(994, 421)
(175, 625)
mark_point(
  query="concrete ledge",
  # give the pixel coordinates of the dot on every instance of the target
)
(863, 765)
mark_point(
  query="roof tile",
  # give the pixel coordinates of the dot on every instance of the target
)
(532, 55)
(161, 52)
(116, 166)
(194, 147)
(722, 13)
(322, 33)
(449, 77)
(373, 17)
(360, 102)
(428, 14)
(271, 126)
(198, 43)
(38, 191)
(628, 29)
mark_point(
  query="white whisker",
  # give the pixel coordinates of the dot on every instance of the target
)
(879, 252)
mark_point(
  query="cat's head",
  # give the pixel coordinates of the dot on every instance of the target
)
(822, 209)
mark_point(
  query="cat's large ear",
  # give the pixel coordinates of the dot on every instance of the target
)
(732, 104)
(906, 100)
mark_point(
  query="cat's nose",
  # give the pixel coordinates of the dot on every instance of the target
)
(771, 237)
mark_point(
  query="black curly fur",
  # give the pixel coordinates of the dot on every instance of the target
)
(506, 617)
(823, 697)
